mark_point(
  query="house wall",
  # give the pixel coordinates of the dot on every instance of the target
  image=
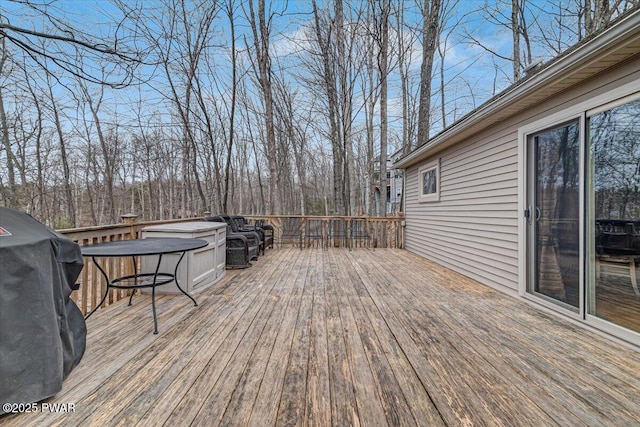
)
(473, 229)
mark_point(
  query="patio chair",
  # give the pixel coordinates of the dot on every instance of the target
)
(268, 232)
(237, 248)
(291, 229)
(243, 225)
(616, 244)
(253, 237)
(338, 232)
(314, 231)
(359, 233)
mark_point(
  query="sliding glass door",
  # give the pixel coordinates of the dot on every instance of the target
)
(582, 210)
(613, 214)
(554, 215)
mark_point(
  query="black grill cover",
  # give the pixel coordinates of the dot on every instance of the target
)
(42, 331)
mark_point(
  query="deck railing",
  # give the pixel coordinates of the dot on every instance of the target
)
(386, 232)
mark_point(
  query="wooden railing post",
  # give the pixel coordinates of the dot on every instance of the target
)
(128, 267)
(130, 219)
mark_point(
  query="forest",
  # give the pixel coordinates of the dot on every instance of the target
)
(174, 108)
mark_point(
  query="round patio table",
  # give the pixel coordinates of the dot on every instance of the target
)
(142, 247)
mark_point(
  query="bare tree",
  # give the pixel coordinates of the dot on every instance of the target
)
(431, 27)
(334, 66)
(370, 97)
(43, 205)
(232, 112)
(12, 195)
(294, 130)
(597, 14)
(405, 41)
(261, 31)
(326, 69)
(194, 35)
(55, 110)
(107, 150)
(57, 45)
(346, 64)
(383, 67)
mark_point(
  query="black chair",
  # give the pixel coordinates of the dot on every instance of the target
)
(618, 242)
(269, 232)
(616, 237)
(266, 238)
(255, 243)
(314, 231)
(291, 229)
(359, 233)
(338, 232)
(237, 249)
(635, 235)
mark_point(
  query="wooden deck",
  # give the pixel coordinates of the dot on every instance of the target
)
(312, 337)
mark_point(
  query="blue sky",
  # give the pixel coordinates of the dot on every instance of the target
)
(472, 75)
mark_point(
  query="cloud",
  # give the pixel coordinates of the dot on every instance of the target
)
(290, 43)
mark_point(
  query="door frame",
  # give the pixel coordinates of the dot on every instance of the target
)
(527, 241)
(601, 100)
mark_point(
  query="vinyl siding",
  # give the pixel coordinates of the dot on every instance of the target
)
(473, 229)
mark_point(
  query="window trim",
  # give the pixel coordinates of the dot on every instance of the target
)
(432, 197)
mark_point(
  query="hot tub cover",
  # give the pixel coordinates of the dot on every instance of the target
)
(42, 331)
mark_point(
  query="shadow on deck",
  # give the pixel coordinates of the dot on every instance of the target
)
(334, 337)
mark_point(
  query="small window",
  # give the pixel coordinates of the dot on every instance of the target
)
(430, 182)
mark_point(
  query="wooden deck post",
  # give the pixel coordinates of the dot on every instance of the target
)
(130, 219)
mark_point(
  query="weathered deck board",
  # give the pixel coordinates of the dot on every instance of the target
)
(453, 389)
(265, 407)
(335, 337)
(317, 410)
(192, 382)
(460, 361)
(530, 335)
(365, 383)
(212, 391)
(396, 393)
(290, 409)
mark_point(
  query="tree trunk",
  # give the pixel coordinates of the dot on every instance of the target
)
(12, 196)
(261, 34)
(404, 79)
(42, 199)
(107, 155)
(370, 101)
(430, 29)
(71, 211)
(383, 66)
(515, 34)
(347, 186)
(331, 90)
(232, 114)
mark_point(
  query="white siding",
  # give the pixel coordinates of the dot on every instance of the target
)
(473, 229)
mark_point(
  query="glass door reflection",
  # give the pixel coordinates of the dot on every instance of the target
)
(614, 225)
(554, 218)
